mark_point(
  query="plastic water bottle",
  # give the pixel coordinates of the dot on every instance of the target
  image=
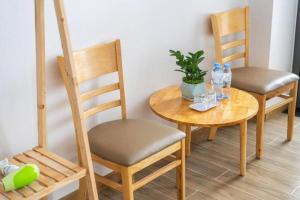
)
(227, 76)
(217, 80)
(227, 80)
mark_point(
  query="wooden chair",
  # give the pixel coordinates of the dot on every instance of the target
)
(125, 146)
(261, 82)
(55, 171)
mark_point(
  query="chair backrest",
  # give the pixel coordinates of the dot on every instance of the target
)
(94, 62)
(235, 21)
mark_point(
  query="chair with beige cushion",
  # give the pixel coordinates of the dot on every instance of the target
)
(126, 146)
(261, 82)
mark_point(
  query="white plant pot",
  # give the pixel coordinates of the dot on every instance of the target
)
(190, 90)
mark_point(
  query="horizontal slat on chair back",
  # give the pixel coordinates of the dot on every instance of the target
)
(233, 21)
(94, 61)
(102, 107)
(233, 57)
(98, 91)
(233, 44)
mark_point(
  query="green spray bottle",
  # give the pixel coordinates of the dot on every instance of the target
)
(18, 177)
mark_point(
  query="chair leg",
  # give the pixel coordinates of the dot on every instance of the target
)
(212, 133)
(291, 112)
(260, 125)
(188, 140)
(188, 131)
(81, 195)
(180, 172)
(243, 147)
(82, 191)
(127, 182)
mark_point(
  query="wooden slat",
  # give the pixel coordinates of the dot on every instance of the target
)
(278, 105)
(49, 189)
(95, 61)
(35, 190)
(96, 92)
(280, 90)
(43, 168)
(101, 108)
(41, 71)
(107, 182)
(233, 21)
(35, 186)
(71, 84)
(156, 174)
(233, 44)
(233, 57)
(2, 197)
(247, 36)
(170, 158)
(10, 195)
(56, 186)
(44, 180)
(284, 96)
(25, 191)
(121, 79)
(50, 163)
(106, 163)
(58, 159)
(156, 157)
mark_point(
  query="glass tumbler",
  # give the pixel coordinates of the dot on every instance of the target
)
(211, 97)
(201, 98)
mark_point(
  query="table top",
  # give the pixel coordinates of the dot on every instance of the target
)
(169, 104)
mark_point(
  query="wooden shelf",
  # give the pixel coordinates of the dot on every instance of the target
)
(55, 172)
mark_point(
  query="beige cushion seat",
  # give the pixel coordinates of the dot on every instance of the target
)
(129, 141)
(260, 80)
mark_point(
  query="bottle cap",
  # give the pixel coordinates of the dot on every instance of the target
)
(227, 65)
(217, 65)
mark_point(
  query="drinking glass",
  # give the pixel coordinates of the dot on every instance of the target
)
(226, 93)
(201, 98)
(211, 97)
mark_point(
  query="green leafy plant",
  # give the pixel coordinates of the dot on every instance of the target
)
(189, 65)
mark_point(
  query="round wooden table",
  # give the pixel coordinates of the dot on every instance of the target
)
(169, 104)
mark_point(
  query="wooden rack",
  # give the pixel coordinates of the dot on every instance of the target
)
(56, 172)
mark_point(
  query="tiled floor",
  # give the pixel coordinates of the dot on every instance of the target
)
(213, 167)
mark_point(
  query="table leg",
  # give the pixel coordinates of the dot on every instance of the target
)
(243, 147)
(212, 133)
(188, 132)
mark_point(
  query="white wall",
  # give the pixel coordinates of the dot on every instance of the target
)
(283, 34)
(261, 12)
(147, 29)
(273, 24)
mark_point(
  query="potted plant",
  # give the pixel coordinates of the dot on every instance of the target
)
(193, 81)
